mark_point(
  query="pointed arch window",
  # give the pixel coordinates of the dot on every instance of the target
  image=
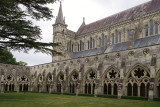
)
(146, 30)
(112, 38)
(102, 40)
(151, 27)
(93, 43)
(78, 47)
(88, 44)
(106, 39)
(72, 47)
(119, 37)
(156, 28)
(116, 37)
(128, 35)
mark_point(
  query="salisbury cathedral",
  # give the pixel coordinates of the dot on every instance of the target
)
(117, 55)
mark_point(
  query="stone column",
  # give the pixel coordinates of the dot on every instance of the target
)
(96, 90)
(2, 87)
(17, 88)
(112, 89)
(138, 91)
(77, 89)
(151, 88)
(120, 87)
(62, 91)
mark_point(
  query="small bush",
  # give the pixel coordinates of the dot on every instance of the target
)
(107, 96)
(89, 95)
(72, 94)
(156, 99)
(134, 97)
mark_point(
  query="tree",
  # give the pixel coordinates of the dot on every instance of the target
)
(22, 63)
(6, 57)
(17, 32)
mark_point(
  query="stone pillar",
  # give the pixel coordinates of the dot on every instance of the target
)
(62, 91)
(77, 88)
(17, 88)
(120, 87)
(138, 91)
(96, 90)
(112, 89)
(2, 87)
(151, 88)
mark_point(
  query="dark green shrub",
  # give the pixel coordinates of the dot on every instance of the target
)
(156, 99)
(134, 97)
(107, 96)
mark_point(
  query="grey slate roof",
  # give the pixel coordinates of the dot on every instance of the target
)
(148, 41)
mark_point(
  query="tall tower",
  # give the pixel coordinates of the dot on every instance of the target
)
(59, 31)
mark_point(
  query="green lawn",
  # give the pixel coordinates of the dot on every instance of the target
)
(54, 100)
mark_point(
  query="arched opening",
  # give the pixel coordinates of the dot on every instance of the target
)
(70, 87)
(109, 89)
(129, 89)
(24, 87)
(47, 88)
(89, 88)
(135, 89)
(73, 88)
(20, 88)
(58, 87)
(158, 90)
(93, 88)
(38, 87)
(6, 87)
(142, 89)
(115, 89)
(10, 87)
(147, 91)
(105, 89)
(86, 88)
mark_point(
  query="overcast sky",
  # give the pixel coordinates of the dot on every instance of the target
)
(74, 11)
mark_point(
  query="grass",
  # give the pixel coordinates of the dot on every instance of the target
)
(55, 100)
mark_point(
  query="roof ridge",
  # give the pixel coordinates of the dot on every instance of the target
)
(120, 12)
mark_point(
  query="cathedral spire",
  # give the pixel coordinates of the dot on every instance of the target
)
(59, 18)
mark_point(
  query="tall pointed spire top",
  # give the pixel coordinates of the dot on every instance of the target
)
(59, 18)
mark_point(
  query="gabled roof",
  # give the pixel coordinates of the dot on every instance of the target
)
(122, 16)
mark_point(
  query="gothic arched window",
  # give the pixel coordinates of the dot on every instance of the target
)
(119, 36)
(112, 38)
(156, 28)
(151, 27)
(116, 37)
(78, 47)
(146, 31)
(72, 47)
(102, 40)
(128, 35)
(88, 44)
(93, 43)
(106, 39)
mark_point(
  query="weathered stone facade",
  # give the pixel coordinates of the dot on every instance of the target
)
(118, 55)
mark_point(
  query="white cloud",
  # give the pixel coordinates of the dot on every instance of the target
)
(74, 11)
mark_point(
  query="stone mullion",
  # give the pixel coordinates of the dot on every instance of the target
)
(112, 89)
(139, 91)
(145, 90)
(132, 90)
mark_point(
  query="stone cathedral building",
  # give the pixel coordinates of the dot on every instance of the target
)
(117, 55)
